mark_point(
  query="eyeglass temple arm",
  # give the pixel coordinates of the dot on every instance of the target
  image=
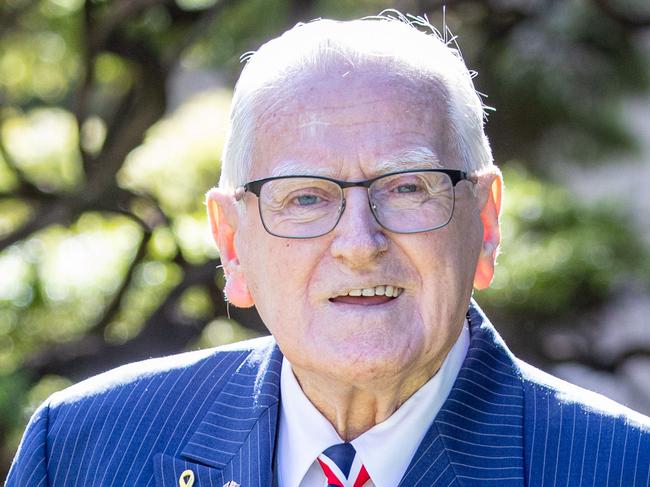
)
(239, 193)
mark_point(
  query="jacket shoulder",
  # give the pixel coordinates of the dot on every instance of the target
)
(574, 436)
(563, 393)
(106, 428)
(188, 366)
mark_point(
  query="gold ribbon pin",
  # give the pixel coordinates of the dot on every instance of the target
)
(186, 479)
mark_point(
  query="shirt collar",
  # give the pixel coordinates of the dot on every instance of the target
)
(387, 448)
(304, 432)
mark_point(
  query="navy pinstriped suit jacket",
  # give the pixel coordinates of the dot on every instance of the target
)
(215, 412)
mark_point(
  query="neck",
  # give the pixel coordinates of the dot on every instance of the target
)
(352, 409)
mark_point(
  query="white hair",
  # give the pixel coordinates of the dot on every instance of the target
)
(392, 41)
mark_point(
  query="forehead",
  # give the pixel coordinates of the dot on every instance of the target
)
(343, 121)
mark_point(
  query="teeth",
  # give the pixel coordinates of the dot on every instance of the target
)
(389, 291)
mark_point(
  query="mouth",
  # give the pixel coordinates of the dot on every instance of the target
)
(369, 296)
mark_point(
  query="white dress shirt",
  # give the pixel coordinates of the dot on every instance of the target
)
(386, 449)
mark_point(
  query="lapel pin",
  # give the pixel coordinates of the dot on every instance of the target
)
(186, 479)
(232, 483)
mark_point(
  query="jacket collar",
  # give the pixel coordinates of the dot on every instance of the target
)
(235, 440)
(478, 434)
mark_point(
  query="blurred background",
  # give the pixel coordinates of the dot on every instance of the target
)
(112, 118)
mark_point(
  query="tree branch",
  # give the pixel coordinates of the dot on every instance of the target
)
(114, 306)
(118, 12)
(60, 212)
(9, 19)
(65, 209)
(634, 20)
(163, 333)
(81, 97)
(139, 110)
(198, 28)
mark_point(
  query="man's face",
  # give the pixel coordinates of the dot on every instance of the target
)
(347, 126)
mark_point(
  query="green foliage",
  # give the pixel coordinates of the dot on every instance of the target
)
(179, 159)
(557, 78)
(559, 256)
(61, 280)
(351, 9)
(152, 281)
(243, 26)
(221, 332)
(43, 144)
(40, 57)
(13, 213)
(12, 390)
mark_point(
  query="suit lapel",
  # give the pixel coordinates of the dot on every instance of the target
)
(235, 440)
(478, 434)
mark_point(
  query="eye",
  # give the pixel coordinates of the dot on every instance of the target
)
(407, 185)
(307, 200)
(406, 188)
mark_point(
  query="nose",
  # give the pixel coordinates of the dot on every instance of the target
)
(358, 238)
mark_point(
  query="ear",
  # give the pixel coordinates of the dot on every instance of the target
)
(489, 193)
(223, 216)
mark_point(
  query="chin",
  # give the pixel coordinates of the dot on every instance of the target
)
(366, 365)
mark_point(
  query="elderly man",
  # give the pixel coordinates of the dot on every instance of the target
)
(358, 206)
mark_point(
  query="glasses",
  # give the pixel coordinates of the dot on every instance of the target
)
(311, 206)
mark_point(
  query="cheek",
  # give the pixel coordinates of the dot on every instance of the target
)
(467, 227)
(447, 257)
(277, 273)
(266, 274)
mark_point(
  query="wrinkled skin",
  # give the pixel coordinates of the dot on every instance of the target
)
(357, 362)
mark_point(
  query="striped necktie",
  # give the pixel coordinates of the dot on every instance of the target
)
(340, 468)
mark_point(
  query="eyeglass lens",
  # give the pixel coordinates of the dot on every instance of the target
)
(410, 202)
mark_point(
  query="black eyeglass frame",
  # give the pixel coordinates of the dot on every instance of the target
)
(255, 187)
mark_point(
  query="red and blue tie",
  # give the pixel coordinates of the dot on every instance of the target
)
(340, 468)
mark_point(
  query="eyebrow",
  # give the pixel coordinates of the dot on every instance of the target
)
(296, 168)
(415, 158)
